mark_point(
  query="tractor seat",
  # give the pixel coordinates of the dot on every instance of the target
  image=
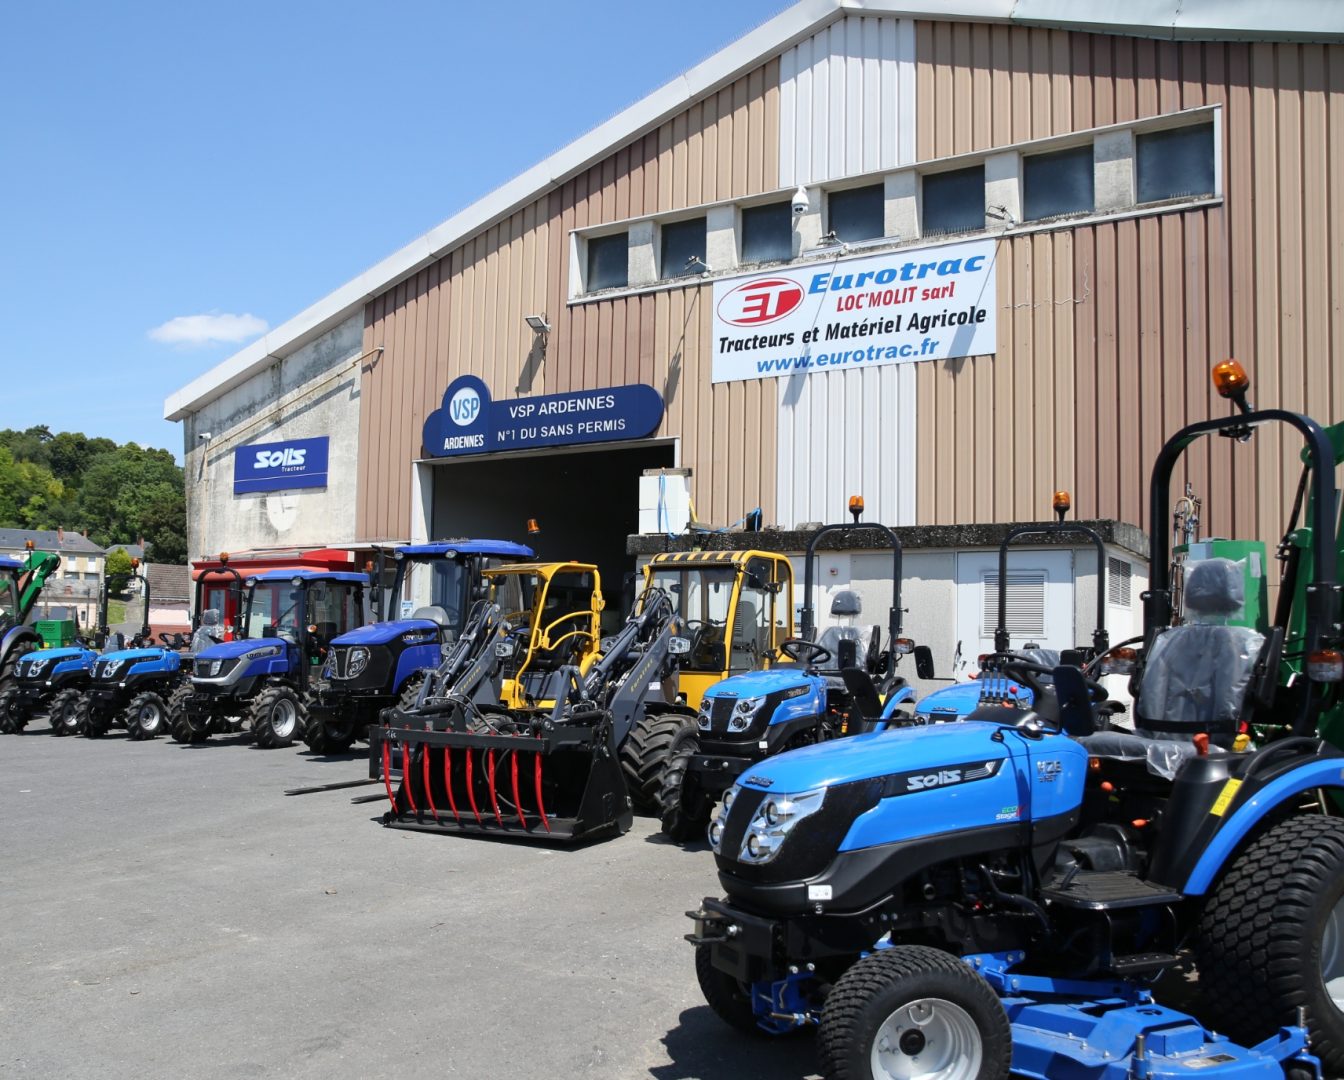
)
(1196, 676)
(847, 645)
(433, 613)
(1162, 757)
(207, 633)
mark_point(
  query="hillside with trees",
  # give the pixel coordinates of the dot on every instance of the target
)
(120, 493)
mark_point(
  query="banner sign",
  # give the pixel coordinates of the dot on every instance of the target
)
(297, 463)
(468, 422)
(893, 308)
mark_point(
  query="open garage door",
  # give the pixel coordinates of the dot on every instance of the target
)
(586, 502)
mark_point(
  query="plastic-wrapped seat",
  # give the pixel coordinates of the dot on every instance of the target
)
(847, 604)
(207, 633)
(1196, 675)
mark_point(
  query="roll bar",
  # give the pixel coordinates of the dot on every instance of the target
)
(808, 628)
(1101, 640)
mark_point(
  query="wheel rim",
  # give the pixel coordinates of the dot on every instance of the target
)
(284, 718)
(149, 717)
(927, 1039)
(1332, 954)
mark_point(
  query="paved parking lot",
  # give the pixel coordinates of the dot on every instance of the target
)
(167, 912)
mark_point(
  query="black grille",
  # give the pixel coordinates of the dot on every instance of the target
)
(719, 713)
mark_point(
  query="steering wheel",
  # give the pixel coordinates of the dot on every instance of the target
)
(812, 653)
(1027, 671)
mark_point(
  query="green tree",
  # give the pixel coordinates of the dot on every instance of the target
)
(118, 570)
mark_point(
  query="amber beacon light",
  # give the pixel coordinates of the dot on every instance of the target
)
(856, 506)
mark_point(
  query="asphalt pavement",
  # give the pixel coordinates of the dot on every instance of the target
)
(169, 912)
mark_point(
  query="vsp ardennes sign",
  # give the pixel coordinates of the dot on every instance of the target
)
(468, 422)
(900, 306)
(297, 463)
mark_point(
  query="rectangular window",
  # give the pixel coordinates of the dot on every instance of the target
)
(856, 214)
(683, 241)
(1175, 164)
(954, 201)
(608, 262)
(1057, 184)
(767, 233)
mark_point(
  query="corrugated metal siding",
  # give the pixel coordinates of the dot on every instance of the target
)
(465, 314)
(1107, 331)
(847, 106)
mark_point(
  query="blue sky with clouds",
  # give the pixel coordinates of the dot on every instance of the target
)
(178, 177)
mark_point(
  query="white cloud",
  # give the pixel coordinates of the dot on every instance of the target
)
(209, 329)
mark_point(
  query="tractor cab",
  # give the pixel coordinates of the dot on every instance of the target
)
(10, 569)
(736, 606)
(21, 582)
(554, 610)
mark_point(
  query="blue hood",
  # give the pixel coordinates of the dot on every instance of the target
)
(880, 753)
(74, 652)
(228, 650)
(383, 632)
(759, 683)
(134, 654)
(963, 698)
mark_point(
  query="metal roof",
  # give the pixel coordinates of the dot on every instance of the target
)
(502, 549)
(1261, 20)
(310, 575)
(49, 540)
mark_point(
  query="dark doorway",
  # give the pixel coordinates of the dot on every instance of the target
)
(586, 503)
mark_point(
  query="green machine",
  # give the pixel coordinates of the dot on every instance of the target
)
(21, 582)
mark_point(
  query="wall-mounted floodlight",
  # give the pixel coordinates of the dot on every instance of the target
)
(538, 323)
(1001, 213)
(831, 240)
(695, 261)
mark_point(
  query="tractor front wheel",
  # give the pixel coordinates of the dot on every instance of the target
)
(1271, 938)
(645, 755)
(730, 999)
(146, 716)
(277, 717)
(334, 736)
(684, 809)
(185, 727)
(13, 715)
(93, 723)
(63, 713)
(913, 1011)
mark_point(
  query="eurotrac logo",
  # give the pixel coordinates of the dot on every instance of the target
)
(761, 301)
(278, 466)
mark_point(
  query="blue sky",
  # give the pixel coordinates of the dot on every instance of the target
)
(164, 162)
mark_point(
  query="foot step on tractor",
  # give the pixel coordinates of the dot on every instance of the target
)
(261, 681)
(21, 582)
(135, 687)
(383, 664)
(1007, 892)
(563, 764)
(814, 689)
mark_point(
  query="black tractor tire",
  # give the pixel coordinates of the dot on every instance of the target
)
(63, 713)
(277, 717)
(1269, 931)
(915, 1002)
(13, 715)
(329, 736)
(730, 999)
(410, 690)
(184, 727)
(684, 814)
(147, 716)
(93, 723)
(645, 755)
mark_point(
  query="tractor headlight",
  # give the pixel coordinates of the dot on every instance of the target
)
(35, 666)
(356, 660)
(776, 817)
(107, 669)
(329, 668)
(702, 717)
(721, 817)
(744, 713)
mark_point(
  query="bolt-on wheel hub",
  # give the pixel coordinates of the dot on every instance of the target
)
(927, 1039)
(284, 718)
(149, 717)
(1332, 954)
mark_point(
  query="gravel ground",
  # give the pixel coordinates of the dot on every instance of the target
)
(168, 913)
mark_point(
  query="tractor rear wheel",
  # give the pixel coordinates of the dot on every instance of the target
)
(63, 713)
(913, 1011)
(277, 717)
(684, 811)
(185, 727)
(93, 723)
(1271, 937)
(13, 716)
(645, 755)
(730, 999)
(146, 716)
(324, 736)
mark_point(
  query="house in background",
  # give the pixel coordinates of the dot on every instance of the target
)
(74, 590)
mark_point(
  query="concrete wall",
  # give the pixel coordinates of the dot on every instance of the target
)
(314, 392)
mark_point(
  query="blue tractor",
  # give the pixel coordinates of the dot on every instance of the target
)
(808, 697)
(133, 687)
(1005, 893)
(262, 680)
(384, 664)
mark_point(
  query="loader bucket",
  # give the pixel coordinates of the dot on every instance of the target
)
(562, 784)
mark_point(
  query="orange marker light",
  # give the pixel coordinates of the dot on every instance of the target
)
(224, 558)
(856, 506)
(1325, 665)
(532, 527)
(1230, 379)
(1062, 502)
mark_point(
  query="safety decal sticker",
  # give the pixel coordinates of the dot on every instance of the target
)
(1225, 798)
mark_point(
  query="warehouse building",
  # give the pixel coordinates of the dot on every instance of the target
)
(951, 257)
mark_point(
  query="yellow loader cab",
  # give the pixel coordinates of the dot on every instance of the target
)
(555, 608)
(736, 607)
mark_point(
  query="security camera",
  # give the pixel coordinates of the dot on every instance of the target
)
(801, 203)
(205, 436)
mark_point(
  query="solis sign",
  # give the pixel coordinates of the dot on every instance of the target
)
(297, 463)
(867, 311)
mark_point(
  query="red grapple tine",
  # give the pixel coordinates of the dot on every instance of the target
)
(406, 778)
(429, 791)
(494, 801)
(471, 793)
(517, 803)
(448, 781)
(541, 806)
(387, 776)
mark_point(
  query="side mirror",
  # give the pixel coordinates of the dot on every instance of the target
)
(924, 662)
(1072, 657)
